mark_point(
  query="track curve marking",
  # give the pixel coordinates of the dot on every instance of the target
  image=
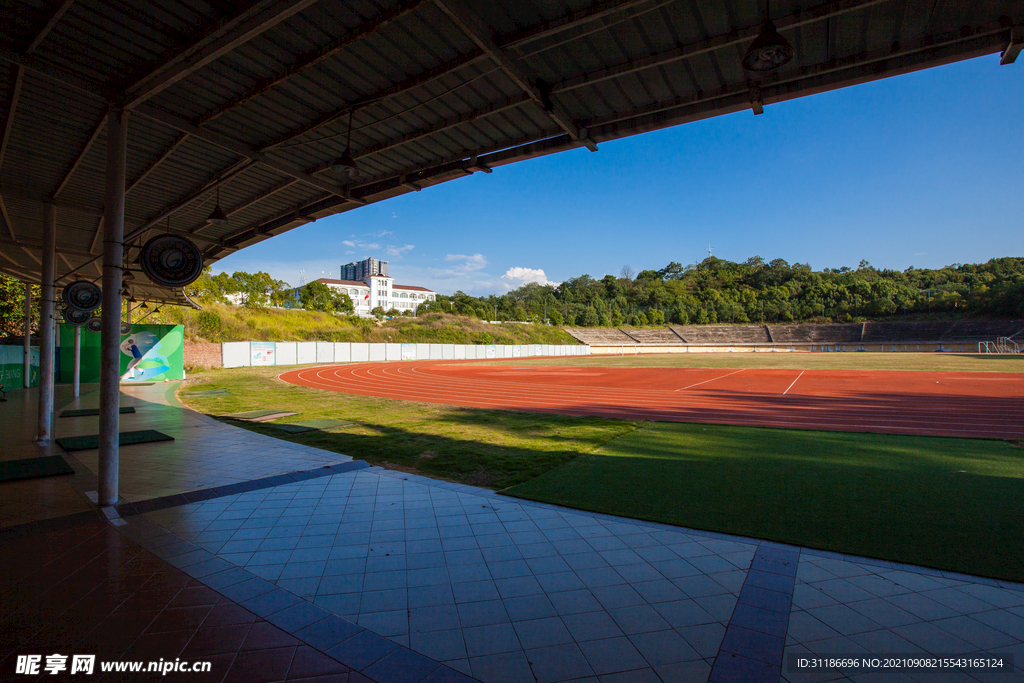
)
(927, 403)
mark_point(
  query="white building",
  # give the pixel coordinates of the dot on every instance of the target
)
(380, 290)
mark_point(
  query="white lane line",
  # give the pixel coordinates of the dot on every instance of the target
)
(794, 382)
(711, 380)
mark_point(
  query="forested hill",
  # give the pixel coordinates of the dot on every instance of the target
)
(719, 291)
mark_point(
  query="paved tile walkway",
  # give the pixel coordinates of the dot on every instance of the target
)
(205, 453)
(508, 591)
(407, 579)
(87, 590)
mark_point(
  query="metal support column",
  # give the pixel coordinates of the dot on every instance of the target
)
(46, 324)
(110, 326)
(76, 379)
(27, 372)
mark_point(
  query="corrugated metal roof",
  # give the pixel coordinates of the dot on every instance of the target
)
(254, 99)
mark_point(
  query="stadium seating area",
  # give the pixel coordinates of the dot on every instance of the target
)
(600, 336)
(816, 334)
(901, 333)
(657, 337)
(984, 330)
(962, 332)
(723, 334)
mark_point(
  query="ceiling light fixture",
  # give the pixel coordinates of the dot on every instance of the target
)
(346, 164)
(769, 50)
(217, 216)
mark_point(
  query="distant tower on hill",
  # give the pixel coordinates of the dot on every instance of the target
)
(360, 270)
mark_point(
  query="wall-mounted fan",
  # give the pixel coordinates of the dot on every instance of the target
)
(171, 260)
(75, 316)
(82, 295)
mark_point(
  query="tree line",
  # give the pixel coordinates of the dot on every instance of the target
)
(755, 291)
(711, 291)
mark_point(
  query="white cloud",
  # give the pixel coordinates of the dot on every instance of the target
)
(463, 266)
(361, 244)
(394, 250)
(382, 233)
(349, 252)
(517, 277)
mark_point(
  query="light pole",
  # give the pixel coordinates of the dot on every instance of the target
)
(928, 292)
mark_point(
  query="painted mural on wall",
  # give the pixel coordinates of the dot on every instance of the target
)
(149, 353)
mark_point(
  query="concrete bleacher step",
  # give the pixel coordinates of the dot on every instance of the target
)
(723, 334)
(899, 332)
(657, 337)
(816, 334)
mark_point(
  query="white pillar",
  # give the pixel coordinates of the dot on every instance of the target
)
(110, 327)
(27, 372)
(76, 380)
(46, 324)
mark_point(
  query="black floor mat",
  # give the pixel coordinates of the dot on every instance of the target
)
(32, 468)
(85, 443)
(85, 412)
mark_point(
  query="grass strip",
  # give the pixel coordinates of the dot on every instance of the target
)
(206, 393)
(308, 425)
(927, 362)
(491, 448)
(952, 504)
(255, 414)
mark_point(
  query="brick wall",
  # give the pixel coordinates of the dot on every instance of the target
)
(202, 355)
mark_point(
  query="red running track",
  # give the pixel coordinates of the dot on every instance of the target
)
(961, 404)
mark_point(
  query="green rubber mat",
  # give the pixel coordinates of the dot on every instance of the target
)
(308, 425)
(206, 393)
(85, 412)
(32, 468)
(85, 443)
(257, 415)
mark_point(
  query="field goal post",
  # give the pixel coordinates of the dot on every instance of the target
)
(1000, 345)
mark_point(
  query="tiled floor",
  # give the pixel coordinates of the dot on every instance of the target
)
(505, 590)
(87, 590)
(204, 452)
(29, 501)
(406, 579)
(493, 588)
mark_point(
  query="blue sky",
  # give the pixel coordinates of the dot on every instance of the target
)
(923, 170)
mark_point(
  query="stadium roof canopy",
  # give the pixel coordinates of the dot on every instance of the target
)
(248, 105)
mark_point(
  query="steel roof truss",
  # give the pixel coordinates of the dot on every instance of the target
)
(233, 32)
(469, 23)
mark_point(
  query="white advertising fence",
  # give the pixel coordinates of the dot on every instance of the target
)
(248, 354)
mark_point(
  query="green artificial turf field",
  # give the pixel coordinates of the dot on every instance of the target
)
(953, 504)
(929, 362)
